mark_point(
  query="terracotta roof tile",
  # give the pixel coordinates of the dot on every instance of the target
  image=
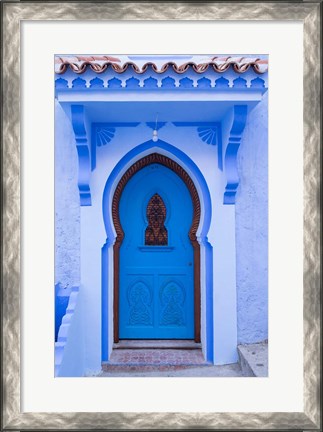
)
(159, 64)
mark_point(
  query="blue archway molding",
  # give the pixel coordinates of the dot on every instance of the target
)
(205, 199)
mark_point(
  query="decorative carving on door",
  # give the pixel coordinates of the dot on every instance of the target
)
(156, 233)
(172, 298)
(140, 302)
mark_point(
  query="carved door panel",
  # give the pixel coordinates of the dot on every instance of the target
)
(156, 296)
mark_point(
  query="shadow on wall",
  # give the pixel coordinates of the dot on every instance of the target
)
(69, 348)
(62, 296)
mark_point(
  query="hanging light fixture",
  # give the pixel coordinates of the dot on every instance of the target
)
(155, 133)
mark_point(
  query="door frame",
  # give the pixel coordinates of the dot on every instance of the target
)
(177, 169)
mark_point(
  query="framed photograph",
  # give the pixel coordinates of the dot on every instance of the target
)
(161, 215)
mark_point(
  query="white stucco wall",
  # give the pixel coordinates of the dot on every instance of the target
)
(67, 203)
(81, 260)
(252, 228)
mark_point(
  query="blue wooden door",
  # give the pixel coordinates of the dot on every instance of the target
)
(156, 297)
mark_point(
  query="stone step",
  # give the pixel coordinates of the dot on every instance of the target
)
(181, 344)
(253, 359)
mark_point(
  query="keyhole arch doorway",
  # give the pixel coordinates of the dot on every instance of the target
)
(156, 158)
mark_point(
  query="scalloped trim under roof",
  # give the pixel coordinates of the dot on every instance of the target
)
(159, 64)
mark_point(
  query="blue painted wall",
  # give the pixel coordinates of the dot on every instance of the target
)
(251, 210)
(252, 228)
(61, 302)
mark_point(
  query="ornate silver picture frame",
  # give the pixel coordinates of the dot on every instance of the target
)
(13, 13)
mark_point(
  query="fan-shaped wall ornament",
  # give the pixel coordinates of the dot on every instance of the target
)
(104, 135)
(208, 134)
